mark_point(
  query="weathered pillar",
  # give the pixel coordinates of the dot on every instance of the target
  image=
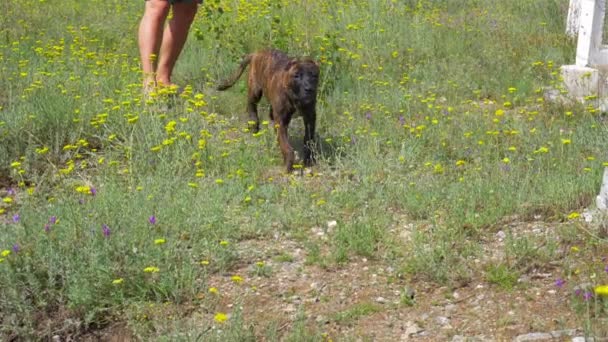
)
(574, 14)
(586, 80)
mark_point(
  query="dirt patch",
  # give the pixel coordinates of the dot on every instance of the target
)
(368, 299)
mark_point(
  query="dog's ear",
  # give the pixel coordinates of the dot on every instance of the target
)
(292, 62)
(311, 60)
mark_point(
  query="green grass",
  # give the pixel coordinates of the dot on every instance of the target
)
(356, 312)
(429, 112)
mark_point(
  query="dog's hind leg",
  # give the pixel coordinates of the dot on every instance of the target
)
(272, 119)
(254, 95)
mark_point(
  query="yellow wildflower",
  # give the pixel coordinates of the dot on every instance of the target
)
(220, 317)
(573, 215)
(601, 290)
(151, 269)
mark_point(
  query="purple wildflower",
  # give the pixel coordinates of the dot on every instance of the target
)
(152, 219)
(588, 295)
(606, 269)
(11, 191)
(401, 120)
(47, 228)
(16, 248)
(93, 191)
(16, 218)
(106, 230)
(559, 282)
(53, 220)
(368, 115)
(578, 292)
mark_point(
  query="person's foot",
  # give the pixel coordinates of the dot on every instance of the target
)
(168, 88)
(149, 86)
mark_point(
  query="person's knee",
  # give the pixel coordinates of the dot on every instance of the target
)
(157, 9)
(185, 12)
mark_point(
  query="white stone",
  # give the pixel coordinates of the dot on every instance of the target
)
(442, 320)
(411, 328)
(534, 337)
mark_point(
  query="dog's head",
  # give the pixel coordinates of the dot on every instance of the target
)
(303, 79)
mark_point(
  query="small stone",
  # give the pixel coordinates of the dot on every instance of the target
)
(442, 320)
(450, 307)
(534, 337)
(579, 339)
(588, 216)
(501, 235)
(411, 328)
(322, 319)
(56, 338)
(563, 333)
(381, 300)
(332, 224)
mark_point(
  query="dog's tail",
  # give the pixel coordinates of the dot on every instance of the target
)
(227, 83)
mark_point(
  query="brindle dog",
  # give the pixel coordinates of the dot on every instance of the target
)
(289, 84)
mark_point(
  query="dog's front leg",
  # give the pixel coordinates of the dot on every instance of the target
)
(310, 116)
(283, 137)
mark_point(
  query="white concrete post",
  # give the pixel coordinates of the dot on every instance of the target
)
(601, 201)
(587, 79)
(591, 22)
(574, 15)
(589, 75)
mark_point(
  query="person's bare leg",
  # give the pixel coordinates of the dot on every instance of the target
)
(149, 37)
(174, 38)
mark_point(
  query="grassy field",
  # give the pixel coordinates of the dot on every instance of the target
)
(434, 135)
